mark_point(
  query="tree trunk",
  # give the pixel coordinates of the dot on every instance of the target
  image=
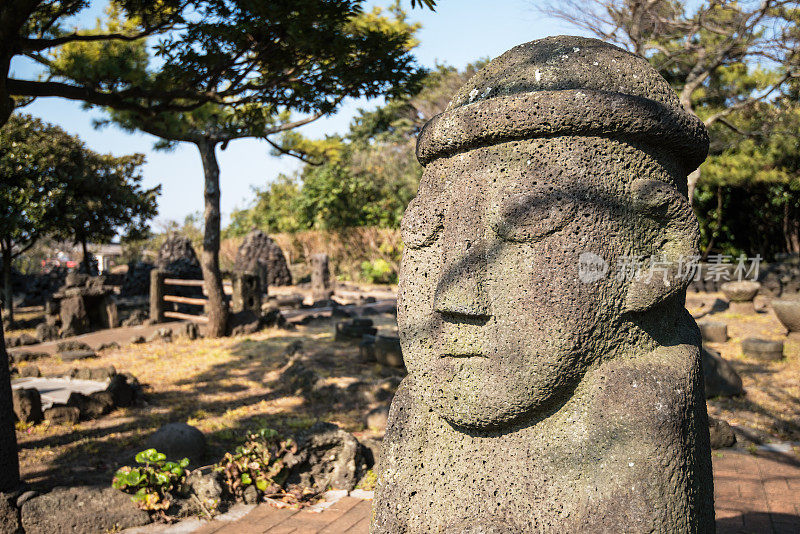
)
(9, 292)
(85, 257)
(6, 104)
(9, 461)
(717, 224)
(791, 230)
(218, 307)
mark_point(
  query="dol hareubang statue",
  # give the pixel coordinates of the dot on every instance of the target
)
(537, 401)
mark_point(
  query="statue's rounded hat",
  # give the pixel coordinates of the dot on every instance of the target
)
(566, 85)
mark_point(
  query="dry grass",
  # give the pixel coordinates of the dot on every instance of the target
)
(347, 248)
(225, 387)
(228, 386)
(772, 403)
(25, 320)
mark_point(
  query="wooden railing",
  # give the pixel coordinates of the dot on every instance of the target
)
(159, 298)
(245, 291)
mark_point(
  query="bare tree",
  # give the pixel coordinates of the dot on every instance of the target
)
(691, 48)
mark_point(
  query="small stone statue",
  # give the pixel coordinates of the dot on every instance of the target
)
(549, 388)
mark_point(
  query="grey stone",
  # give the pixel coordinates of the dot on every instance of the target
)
(244, 323)
(105, 399)
(9, 515)
(178, 258)
(366, 349)
(25, 497)
(259, 254)
(122, 390)
(90, 407)
(321, 285)
(136, 317)
(377, 417)
(371, 449)
(136, 281)
(741, 290)
(75, 355)
(246, 292)
(721, 433)
(713, 331)
(206, 486)
(250, 495)
(327, 458)
(81, 510)
(762, 349)
(75, 279)
(94, 373)
(46, 332)
(788, 313)
(63, 414)
(388, 351)
(66, 346)
(189, 331)
(740, 295)
(27, 404)
(74, 316)
(30, 371)
(544, 392)
(112, 345)
(26, 339)
(27, 356)
(289, 301)
(162, 334)
(354, 329)
(177, 441)
(719, 377)
(137, 340)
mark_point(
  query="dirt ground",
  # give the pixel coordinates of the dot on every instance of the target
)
(228, 386)
(225, 387)
(771, 407)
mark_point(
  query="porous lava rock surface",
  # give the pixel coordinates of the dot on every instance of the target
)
(259, 254)
(542, 397)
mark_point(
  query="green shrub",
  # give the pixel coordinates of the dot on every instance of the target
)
(152, 481)
(378, 271)
(259, 463)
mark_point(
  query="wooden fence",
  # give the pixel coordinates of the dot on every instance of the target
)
(245, 291)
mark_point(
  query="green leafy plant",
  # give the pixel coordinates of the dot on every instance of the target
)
(260, 463)
(153, 480)
(378, 271)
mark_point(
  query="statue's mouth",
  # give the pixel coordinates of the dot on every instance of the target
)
(463, 355)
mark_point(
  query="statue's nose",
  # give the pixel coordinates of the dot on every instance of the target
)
(461, 289)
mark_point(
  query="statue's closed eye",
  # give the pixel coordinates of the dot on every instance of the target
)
(422, 222)
(529, 216)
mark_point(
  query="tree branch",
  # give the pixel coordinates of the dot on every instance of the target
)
(123, 100)
(37, 45)
(744, 103)
(299, 155)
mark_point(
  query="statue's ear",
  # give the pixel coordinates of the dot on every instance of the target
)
(677, 245)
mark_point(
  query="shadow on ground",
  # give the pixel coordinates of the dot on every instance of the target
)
(256, 387)
(759, 523)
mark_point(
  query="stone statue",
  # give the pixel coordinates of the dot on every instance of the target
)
(548, 392)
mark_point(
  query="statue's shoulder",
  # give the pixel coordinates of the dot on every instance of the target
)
(648, 393)
(407, 414)
(400, 460)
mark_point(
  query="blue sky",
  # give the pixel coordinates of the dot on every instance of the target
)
(459, 32)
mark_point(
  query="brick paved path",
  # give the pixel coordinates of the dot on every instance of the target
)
(754, 495)
(757, 494)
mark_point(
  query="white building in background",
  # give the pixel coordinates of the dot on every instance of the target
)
(106, 255)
